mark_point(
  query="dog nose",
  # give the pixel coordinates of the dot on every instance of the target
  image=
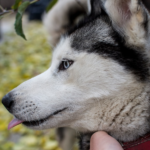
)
(7, 102)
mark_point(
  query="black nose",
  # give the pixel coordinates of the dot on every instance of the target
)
(7, 102)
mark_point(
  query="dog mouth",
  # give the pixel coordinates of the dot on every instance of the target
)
(41, 121)
(16, 121)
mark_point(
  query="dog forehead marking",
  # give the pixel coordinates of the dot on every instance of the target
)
(83, 38)
(97, 30)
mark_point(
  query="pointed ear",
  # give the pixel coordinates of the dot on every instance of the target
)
(130, 18)
(94, 7)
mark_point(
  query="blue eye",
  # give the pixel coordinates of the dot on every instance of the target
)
(65, 64)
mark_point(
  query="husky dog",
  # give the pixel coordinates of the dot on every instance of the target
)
(98, 78)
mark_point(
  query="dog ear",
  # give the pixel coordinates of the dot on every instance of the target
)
(130, 18)
(94, 7)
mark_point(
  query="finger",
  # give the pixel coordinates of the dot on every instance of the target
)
(102, 141)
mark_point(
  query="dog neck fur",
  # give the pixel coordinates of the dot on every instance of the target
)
(125, 117)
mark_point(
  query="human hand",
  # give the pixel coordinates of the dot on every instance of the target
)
(102, 141)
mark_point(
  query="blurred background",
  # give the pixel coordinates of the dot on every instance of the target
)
(20, 60)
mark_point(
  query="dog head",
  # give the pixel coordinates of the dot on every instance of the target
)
(97, 69)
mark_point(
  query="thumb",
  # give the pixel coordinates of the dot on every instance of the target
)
(102, 141)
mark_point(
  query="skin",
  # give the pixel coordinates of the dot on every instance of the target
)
(102, 141)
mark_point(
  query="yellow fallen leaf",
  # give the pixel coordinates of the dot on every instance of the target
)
(3, 126)
(51, 145)
(29, 140)
(17, 128)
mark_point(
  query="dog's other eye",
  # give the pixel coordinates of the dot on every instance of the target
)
(65, 64)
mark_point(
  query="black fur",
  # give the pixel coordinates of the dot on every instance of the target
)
(131, 59)
(87, 19)
(84, 141)
(95, 7)
(82, 23)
